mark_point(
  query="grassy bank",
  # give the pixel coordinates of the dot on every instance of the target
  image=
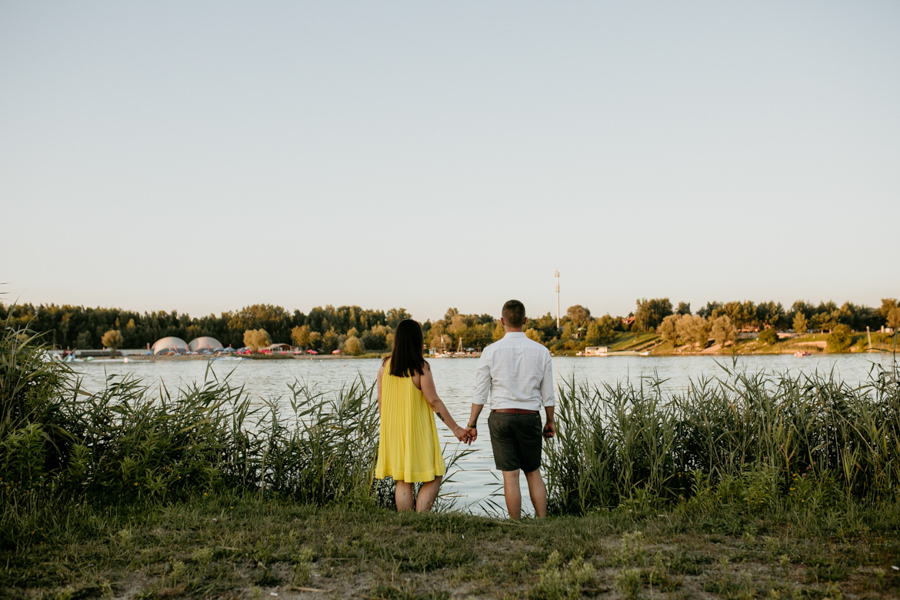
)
(814, 343)
(244, 547)
(746, 485)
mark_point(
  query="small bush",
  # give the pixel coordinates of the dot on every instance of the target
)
(768, 337)
(840, 339)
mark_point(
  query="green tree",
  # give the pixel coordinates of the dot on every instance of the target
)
(83, 341)
(650, 313)
(605, 331)
(534, 334)
(840, 339)
(498, 332)
(458, 325)
(893, 318)
(700, 331)
(300, 336)
(800, 324)
(684, 308)
(578, 315)
(353, 346)
(824, 320)
(668, 330)
(376, 338)
(723, 330)
(693, 328)
(438, 338)
(741, 314)
(768, 337)
(273, 319)
(886, 305)
(112, 339)
(315, 340)
(395, 315)
(330, 341)
(256, 339)
(710, 311)
(769, 314)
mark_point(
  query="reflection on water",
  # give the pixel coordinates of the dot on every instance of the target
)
(476, 479)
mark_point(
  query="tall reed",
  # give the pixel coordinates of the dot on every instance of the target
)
(621, 442)
(134, 442)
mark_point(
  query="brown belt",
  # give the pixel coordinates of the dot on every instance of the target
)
(515, 411)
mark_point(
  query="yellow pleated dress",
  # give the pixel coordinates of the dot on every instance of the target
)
(408, 446)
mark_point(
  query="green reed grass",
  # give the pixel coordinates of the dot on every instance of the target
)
(639, 446)
(131, 442)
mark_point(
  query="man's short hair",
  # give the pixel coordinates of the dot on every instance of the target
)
(514, 313)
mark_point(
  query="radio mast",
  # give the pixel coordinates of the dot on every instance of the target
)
(557, 299)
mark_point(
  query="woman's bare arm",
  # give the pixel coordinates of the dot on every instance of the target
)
(426, 384)
(378, 386)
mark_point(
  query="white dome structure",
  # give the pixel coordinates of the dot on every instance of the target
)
(167, 344)
(204, 343)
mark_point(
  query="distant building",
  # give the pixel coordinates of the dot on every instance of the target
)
(279, 348)
(596, 351)
(204, 343)
(170, 345)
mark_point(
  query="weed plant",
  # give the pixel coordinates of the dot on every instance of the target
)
(748, 440)
(752, 440)
(60, 445)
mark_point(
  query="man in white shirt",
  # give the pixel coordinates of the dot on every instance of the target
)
(517, 373)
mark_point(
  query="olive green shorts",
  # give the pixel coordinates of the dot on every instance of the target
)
(516, 441)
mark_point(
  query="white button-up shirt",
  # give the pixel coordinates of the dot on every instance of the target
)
(516, 372)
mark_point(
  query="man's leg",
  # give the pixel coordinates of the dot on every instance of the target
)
(538, 492)
(512, 494)
(403, 495)
(427, 494)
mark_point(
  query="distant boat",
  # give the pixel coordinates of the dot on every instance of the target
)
(801, 353)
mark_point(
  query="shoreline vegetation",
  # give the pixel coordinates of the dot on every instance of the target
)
(747, 485)
(625, 344)
(655, 327)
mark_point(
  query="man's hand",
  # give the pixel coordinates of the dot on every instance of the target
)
(461, 434)
(472, 433)
(549, 430)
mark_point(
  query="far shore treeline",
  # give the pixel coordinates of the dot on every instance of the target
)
(355, 330)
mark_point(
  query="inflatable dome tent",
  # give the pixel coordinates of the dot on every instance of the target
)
(204, 343)
(170, 344)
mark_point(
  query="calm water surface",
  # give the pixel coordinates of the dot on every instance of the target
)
(476, 485)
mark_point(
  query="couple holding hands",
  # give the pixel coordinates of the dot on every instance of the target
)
(515, 372)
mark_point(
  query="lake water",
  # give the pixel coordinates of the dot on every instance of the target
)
(477, 484)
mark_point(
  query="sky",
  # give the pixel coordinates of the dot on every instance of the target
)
(202, 156)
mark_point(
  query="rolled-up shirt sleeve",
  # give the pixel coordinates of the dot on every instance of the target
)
(548, 397)
(482, 380)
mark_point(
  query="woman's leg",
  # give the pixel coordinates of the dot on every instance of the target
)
(403, 495)
(427, 494)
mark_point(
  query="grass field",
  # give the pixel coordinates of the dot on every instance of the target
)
(744, 486)
(231, 547)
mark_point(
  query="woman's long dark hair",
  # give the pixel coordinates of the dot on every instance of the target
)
(406, 356)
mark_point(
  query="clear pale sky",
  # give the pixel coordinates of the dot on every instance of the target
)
(203, 156)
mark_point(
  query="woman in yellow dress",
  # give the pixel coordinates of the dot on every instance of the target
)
(408, 446)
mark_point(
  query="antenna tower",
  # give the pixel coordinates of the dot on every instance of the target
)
(557, 298)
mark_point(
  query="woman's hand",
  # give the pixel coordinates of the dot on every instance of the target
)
(472, 433)
(461, 434)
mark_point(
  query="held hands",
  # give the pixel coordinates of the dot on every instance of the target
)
(463, 435)
(473, 434)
